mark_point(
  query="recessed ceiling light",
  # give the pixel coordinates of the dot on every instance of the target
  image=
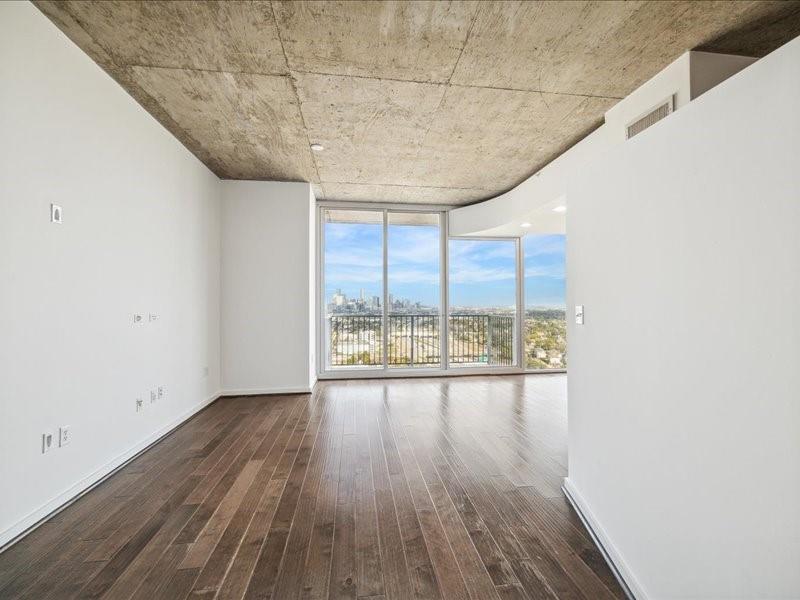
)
(560, 209)
(526, 224)
(317, 147)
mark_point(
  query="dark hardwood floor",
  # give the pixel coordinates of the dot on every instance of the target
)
(393, 489)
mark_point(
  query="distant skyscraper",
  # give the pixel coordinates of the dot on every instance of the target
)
(361, 297)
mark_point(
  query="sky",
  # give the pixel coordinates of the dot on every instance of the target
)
(545, 270)
(482, 272)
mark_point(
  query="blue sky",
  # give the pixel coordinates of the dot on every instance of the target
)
(353, 259)
(481, 271)
(545, 277)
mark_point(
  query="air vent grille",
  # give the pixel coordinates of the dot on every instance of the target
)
(651, 118)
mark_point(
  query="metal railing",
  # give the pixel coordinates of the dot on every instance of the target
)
(413, 340)
(355, 340)
(481, 339)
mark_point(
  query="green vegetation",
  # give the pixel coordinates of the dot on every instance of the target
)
(545, 339)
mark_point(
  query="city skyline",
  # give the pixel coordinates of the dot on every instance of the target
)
(482, 272)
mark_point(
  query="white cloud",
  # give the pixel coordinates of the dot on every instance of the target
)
(479, 274)
(355, 257)
(539, 245)
(481, 250)
(413, 276)
(556, 271)
(337, 275)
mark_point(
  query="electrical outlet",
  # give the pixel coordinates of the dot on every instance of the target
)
(48, 439)
(160, 392)
(139, 405)
(55, 213)
(152, 396)
(153, 317)
(64, 436)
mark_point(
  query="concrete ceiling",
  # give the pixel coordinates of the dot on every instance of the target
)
(423, 102)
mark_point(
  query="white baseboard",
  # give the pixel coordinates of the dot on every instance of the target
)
(619, 567)
(268, 391)
(31, 521)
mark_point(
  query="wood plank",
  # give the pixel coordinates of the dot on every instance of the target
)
(130, 550)
(218, 564)
(268, 565)
(289, 579)
(393, 557)
(456, 562)
(241, 567)
(343, 561)
(316, 580)
(421, 572)
(369, 577)
(364, 490)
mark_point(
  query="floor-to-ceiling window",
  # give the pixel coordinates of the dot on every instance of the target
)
(545, 326)
(414, 293)
(483, 302)
(397, 294)
(353, 276)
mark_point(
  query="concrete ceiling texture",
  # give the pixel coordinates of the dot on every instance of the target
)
(420, 102)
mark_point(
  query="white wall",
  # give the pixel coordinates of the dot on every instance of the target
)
(684, 387)
(268, 287)
(140, 234)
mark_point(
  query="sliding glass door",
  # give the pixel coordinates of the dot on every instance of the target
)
(414, 291)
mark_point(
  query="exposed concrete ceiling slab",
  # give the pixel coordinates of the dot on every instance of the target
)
(372, 129)
(412, 41)
(492, 138)
(251, 123)
(600, 48)
(427, 102)
(235, 37)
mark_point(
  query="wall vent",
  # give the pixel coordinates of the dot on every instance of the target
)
(651, 118)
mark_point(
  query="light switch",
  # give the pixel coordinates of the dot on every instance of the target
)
(579, 314)
(55, 213)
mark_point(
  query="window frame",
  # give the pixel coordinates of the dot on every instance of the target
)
(383, 371)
